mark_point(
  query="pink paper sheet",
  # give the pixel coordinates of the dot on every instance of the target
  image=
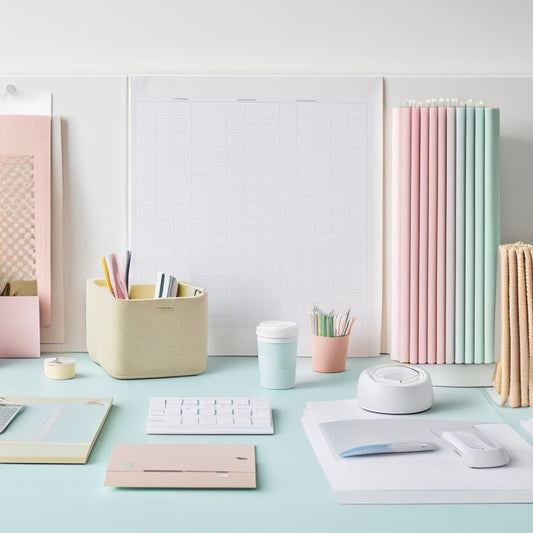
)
(31, 135)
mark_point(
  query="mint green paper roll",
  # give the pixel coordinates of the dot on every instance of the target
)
(460, 176)
(479, 237)
(469, 286)
(492, 223)
(450, 233)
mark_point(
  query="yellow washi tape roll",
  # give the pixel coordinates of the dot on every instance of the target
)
(59, 368)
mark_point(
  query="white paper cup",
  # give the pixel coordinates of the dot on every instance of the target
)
(277, 347)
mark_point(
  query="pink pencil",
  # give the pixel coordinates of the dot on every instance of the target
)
(350, 326)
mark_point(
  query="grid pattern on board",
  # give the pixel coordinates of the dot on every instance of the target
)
(262, 203)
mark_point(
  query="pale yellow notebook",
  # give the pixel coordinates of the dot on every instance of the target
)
(53, 430)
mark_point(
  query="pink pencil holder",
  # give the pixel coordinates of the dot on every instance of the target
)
(329, 353)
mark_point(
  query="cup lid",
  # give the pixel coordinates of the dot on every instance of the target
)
(277, 329)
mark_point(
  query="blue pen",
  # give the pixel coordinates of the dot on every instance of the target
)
(390, 447)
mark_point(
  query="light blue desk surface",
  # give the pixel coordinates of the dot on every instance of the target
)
(293, 493)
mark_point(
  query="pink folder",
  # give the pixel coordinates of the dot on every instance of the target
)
(31, 135)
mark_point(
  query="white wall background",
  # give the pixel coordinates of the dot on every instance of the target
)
(384, 37)
(449, 37)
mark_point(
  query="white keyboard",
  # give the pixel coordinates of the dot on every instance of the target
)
(210, 416)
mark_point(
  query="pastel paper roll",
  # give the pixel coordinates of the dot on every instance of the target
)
(460, 189)
(432, 236)
(395, 237)
(441, 239)
(450, 234)
(414, 235)
(423, 237)
(469, 285)
(479, 236)
(523, 326)
(405, 234)
(492, 223)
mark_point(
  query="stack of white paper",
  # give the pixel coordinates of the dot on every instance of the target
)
(437, 476)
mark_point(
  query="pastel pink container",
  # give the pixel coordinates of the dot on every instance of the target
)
(329, 353)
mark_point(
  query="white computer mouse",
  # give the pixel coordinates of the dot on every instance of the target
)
(475, 451)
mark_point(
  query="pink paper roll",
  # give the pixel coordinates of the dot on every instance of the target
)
(432, 235)
(450, 234)
(405, 233)
(423, 236)
(414, 231)
(441, 238)
(395, 238)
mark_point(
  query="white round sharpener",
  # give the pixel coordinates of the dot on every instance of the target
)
(394, 389)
